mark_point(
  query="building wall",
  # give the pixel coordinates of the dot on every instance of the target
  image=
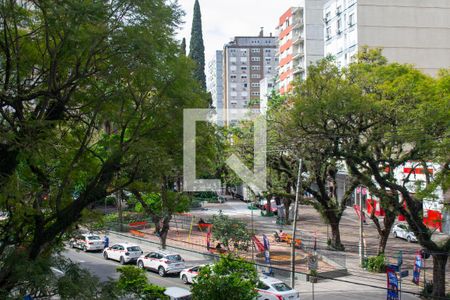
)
(313, 32)
(247, 60)
(300, 41)
(409, 31)
(215, 83)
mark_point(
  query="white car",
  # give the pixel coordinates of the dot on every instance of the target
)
(270, 288)
(403, 231)
(188, 275)
(123, 252)
(87, 242)
(164, 262)
(176, 293)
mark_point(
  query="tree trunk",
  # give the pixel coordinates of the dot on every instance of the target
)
(287, 205)
(335, 242)
(439, 263)
(383, 233)
(164, 231)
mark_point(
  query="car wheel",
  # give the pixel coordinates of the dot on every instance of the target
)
(122, 260)
(161, 271)
(105, 255)
(408, 238)
(185, 280)
(140, 264)
(84, 248)
(72, 245)
(395, 234)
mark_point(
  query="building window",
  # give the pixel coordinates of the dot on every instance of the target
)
(255, 94)
(232, 59)
(351, 19)
(327, 17)
(233, 68)
(233, 76)
(256, 75)
(267, 50)
(244, 60)
(328, 32)
(255, 50)
(256, 58)
(243, 68)
(339, 26)
(256, 68)
(245, 85)
(243, 76)
(338, 10)
(255, 85)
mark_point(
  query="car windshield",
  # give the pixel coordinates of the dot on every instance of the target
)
(94, 238)
(174, 257)
(281, 287)
(134, 248)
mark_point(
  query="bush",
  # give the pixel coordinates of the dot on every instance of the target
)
(376, 264)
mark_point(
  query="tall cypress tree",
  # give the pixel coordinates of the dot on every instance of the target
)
(183, 46)
(196, 47)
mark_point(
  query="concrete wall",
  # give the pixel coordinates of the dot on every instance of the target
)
(314, 49)
(409, 31)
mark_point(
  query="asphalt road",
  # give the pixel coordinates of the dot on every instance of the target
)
(106, 269)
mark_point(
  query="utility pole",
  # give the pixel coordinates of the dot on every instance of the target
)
(294, 226)
(253, 233)
(361, 228)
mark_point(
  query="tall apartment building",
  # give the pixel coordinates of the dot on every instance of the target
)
(214, 83)
(300, 41)
(409, 31)
(247, 60)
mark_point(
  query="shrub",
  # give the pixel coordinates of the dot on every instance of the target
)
(376, 263)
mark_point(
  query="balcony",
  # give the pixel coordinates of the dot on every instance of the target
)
(297, 40)
(298, 69)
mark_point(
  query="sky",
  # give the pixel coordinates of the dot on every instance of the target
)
(224, 19)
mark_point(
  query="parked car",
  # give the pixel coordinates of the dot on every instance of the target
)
(164, 262)
(176, 293)
(403, 231)
(270, 288)
(87, 242)
(188, 275)
(265, 207)
(123, 252)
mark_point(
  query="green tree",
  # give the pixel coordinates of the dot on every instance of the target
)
(183, 46)
(133, 283)
(196, 46)
(387, 116)
(230, 278)
(85, 94)
(230, 232)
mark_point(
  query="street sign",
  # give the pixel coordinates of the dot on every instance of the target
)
(404, 273)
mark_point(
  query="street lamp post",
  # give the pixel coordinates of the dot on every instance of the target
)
(361, 228)
(294, 226)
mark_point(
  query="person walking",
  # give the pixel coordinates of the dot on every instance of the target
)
(106, 242)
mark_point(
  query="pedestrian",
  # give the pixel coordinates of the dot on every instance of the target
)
(105, 242)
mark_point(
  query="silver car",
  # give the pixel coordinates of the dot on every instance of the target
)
(403, 231)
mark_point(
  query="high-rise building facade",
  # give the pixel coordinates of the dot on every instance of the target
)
(247, 60)
(214, 83)
(409, 31)
(300, 41)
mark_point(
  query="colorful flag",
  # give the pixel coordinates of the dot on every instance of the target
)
(417, 266)
(266, 242)
(392, 284)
